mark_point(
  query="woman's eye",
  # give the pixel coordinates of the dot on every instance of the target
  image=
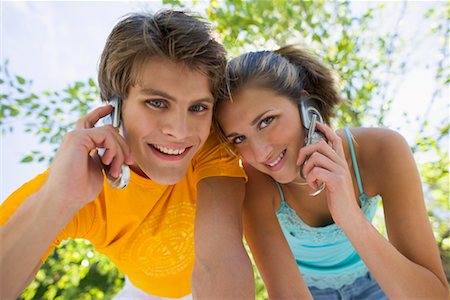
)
(156, 103)
(238, 140)
(197, 108)
(265, 122)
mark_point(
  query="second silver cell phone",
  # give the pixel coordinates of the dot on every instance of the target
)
(310, 116)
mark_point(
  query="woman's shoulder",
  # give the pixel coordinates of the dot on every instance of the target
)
(377, 150)
(374, 142)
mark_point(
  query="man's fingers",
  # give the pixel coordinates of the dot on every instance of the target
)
(92, 118)
(114, 150)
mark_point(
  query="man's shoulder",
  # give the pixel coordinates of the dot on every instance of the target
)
(214, 159)
(212, 147)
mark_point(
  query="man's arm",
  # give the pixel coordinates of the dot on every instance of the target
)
(273, 256)
(25, 238)
(75, 179)
(222, 267)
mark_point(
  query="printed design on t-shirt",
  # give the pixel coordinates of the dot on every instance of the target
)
(164, 243)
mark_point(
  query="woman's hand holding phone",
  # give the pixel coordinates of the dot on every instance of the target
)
(312, 137)
(76, 171)
(324, 162)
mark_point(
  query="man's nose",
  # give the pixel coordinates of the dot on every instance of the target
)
(176, 125)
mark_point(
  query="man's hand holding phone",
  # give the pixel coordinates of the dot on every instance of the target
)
(121, 180)
(76, 175)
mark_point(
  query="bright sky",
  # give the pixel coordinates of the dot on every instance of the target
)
(56, 43)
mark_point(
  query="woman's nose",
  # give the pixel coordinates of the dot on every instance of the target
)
(261, 150)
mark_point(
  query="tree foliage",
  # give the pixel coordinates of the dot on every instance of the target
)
(345, 35)
(75, 271)
(48, 115)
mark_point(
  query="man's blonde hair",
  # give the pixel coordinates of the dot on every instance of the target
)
(174, 35)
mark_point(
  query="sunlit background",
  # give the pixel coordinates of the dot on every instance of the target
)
(57, 43)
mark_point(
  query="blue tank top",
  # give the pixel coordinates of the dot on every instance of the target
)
(325, 256)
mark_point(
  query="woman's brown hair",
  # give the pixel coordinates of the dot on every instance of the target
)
(288, 71)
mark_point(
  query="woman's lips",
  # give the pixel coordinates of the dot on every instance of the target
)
(278, 163)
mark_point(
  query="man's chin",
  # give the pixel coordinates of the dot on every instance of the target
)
(167, 176)
(168, 181)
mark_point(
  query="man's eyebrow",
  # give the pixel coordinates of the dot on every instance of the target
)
(150, 91)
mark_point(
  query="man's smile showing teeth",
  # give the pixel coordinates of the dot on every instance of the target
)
(169, 151)
(279, 158)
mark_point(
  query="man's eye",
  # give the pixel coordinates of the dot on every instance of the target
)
(156, 103)
(265, 122)
(238, 140)
(197, 108)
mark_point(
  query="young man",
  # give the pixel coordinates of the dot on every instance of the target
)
(165, 70)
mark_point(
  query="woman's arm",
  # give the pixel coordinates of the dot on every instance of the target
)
(269, 247)
(408, 265)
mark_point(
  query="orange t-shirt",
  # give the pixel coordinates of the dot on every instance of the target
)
(146, 229)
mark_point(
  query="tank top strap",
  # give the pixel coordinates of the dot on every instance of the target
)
(354, 162)
(283, 203)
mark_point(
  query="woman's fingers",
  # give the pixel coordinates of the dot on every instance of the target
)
(331, 148)
(318, 160)
(333, 139)
(320, 168)
(322, 147)
(324, 161)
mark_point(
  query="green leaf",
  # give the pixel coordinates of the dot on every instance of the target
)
(27, 159)
(20, 80)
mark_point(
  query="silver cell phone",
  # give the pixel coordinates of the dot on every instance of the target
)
(310, 115)
(114, 119)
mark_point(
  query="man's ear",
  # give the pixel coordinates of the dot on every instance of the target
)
(304, 93)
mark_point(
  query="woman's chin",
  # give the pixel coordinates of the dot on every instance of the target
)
(285, 178)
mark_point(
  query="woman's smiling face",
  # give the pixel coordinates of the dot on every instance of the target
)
(266, 130)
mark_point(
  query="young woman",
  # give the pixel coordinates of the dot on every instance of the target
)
(299, 233)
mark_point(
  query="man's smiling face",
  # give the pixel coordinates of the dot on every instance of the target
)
(166, 119)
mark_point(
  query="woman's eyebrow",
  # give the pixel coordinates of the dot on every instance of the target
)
(258, 117)
(231, 135)
(252, 123)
